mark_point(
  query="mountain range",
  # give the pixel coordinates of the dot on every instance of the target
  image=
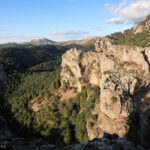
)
(95, 96)
(45, 41)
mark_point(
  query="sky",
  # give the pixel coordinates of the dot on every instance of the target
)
(62, 20)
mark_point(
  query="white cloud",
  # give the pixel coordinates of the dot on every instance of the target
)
(113, 9)
(116, 21)
(129, 13)
(121, 30)
(65, 35)
(4, 30)
(5, 38)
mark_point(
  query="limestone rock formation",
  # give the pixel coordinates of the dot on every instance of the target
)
(79, 68)
(144, 25)
(102, 43)
(119, 71)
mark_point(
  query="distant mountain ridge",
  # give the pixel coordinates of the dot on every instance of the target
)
(43, 41)
(8, 45)
(89, 40)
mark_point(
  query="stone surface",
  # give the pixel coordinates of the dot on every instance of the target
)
(122, 73)
(108, 142)
(118, 70)
(140, 27)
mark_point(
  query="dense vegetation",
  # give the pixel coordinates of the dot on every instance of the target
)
(33, 72)
(67, 118)
(86, 47)
(129, 38)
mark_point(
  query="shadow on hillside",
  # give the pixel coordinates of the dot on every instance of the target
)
(53, 136)
(139, 120)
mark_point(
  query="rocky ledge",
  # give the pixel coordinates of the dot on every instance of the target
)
(8, 141)
(122, 74)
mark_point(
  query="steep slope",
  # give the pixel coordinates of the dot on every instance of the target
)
(110, 142)
(9, 139)
(120, 72)
(144, 25)
(139, 35)
(89, 40)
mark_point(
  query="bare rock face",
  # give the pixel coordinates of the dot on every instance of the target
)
(108, 142)
(118, 70)
(71, 72)
(102, 43)
(140, 27)
(80, 68)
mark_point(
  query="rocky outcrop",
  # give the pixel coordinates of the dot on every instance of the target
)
(109, 142)
(118, 70)
(79, 68)
(144, 25)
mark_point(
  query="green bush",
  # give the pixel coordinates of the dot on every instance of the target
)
(93, 117)
(90, 125)
(59, 123)
(114, 99)
(64, 86)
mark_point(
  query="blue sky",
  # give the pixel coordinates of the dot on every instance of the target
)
(60, 20)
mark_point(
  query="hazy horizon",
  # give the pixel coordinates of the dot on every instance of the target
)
(23, 21)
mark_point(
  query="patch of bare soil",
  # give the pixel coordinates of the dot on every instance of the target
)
(67, 95)
(63, 95)
(35, 103)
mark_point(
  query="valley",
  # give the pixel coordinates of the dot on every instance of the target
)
(93, 96)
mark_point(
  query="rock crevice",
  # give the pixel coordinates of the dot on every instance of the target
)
(118, 70)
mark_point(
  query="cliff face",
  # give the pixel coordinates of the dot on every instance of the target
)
(144, 25)
(79, 68)
(122, 73)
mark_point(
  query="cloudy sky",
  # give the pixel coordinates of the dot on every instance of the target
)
(61, 20)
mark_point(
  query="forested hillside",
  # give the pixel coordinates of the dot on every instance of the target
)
(129, 38)
(139, 35)
(33, 73)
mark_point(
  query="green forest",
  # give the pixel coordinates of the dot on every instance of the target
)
(32, 73)
(129, 38)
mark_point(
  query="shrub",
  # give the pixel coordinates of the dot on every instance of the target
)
(67, 68)
(114, 99)
(94, 117)
(47, 95)
(75, 90)
(64, 86)
(90, 125)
